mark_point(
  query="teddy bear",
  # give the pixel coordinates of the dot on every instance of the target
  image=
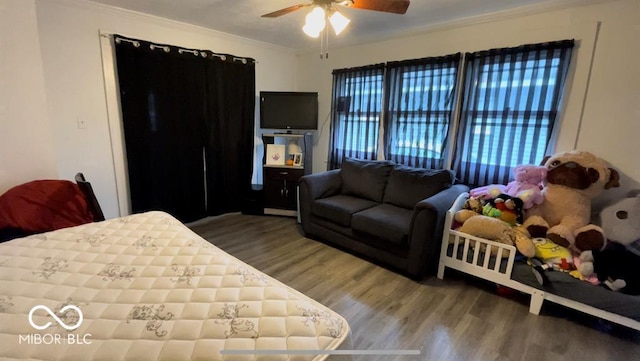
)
(496, 230)
(574, 178)
(527, 185)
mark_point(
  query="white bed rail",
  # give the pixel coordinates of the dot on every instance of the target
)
(494, 263)
(489, 267)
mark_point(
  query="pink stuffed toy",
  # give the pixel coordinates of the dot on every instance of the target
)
(526, 186)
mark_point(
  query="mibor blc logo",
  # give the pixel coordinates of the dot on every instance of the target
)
(55, 338)
(52, 314)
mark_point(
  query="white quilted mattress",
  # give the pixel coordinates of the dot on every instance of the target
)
(148, 288)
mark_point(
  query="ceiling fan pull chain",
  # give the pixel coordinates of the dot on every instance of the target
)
(321, 45)
(326, 50)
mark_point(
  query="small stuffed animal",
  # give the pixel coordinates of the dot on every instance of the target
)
(510, 208)
(471, 207)
(527, 185)
(550, 257)
(552, 254)
(618, 269)
(505, 208)
(487, 192)
(490, 210)
(621, 223)
(474, 204)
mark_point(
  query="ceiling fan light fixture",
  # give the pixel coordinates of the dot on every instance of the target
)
(338, 22)
(310, 31)
(315, 22)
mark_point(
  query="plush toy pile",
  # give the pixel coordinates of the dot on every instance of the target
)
(526, 186)
(546, 213)
(495, 212)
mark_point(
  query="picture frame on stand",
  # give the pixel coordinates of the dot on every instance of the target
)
(297, 159)
(275, 154)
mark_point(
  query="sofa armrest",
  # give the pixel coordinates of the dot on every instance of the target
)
(444, 200)
(321, 185)
(427, 225)
(315, 186)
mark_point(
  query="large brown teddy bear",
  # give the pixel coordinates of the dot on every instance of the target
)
(573, 180)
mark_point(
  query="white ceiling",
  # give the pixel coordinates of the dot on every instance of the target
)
(242, 17)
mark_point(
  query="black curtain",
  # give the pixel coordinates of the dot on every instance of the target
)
(230, 125)
(172, 115)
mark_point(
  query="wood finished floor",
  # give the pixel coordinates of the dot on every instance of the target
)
(458, 318)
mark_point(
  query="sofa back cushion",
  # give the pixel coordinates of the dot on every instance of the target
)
(407, 186)
(365, 178)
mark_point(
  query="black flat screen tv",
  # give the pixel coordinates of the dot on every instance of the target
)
(289, 110)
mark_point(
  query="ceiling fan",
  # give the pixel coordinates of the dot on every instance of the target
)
(324, 11)
(389, 6)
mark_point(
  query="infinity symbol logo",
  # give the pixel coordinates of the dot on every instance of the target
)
(52, 314)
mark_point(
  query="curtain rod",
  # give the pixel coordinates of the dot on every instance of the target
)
(167, 49)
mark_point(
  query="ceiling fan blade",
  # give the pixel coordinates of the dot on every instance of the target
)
(285, 11)
(389, 6)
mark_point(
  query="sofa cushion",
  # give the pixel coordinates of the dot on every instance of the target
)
(365, 178)
(407, 186)
(384, 222)
(340, 208)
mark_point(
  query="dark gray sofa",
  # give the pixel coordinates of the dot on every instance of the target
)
(388, 213)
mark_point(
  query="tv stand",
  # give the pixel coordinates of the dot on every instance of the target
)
(281, 180)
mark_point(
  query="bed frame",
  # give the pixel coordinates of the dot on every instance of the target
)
(498, 269)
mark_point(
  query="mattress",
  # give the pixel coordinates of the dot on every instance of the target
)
(564, 285)
(145, 287)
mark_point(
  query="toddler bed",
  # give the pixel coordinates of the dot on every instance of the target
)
(457, 253)
(145, 287)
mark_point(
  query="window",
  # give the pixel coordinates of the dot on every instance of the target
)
(420, 101)
(508, 110)
(357, 95)
(511, 102)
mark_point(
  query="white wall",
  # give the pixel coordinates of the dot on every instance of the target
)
(51, 75)
(75, 85)
(610, 123)
(26, 143)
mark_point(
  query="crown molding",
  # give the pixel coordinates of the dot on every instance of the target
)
(160, 21)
